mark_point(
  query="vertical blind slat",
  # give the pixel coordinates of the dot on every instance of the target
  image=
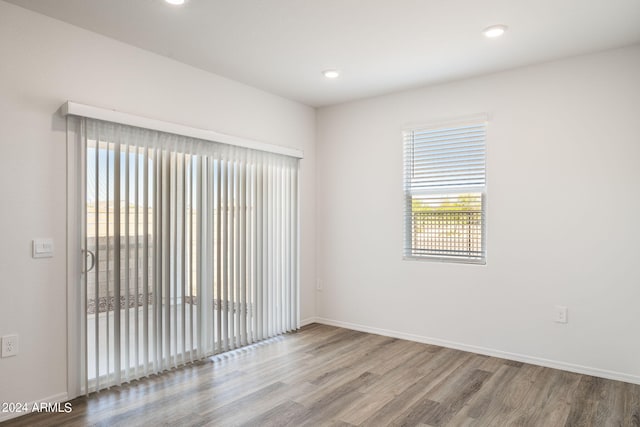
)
(242, 303)
(260, 253)
(191, 261)
(145, 263)
(225, 249)
(84, 292)
(127, 267)
(117, 245)
(136, 317)
(201, 260)
(217, 236)
(96, 300)
(183, 260)
(207, 297)
(165, 357)
(108, 270)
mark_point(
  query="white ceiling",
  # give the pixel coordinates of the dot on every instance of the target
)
(380, 46)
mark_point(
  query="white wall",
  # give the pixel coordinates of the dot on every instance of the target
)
(43, 63)
(563, 208)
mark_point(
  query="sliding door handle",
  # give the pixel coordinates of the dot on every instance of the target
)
(93, 261)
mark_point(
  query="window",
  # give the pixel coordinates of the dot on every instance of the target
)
(444, 191)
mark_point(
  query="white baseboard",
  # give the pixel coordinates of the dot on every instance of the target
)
(58, 398)
(586, 370)
(308, 321)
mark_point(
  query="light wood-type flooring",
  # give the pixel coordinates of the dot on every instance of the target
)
(328, 376)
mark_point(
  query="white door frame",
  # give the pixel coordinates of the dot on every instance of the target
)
(75, 260)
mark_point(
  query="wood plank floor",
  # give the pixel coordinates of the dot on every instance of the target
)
(327, 376)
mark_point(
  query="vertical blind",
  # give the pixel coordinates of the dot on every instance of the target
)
(194, 247)
(444, 188)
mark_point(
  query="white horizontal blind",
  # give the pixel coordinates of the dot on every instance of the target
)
(444, 187)
(195, 247)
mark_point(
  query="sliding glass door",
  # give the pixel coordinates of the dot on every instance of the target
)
(191, 250)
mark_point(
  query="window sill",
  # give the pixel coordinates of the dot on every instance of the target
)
(445, 260)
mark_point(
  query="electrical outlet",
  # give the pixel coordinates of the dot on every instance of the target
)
(561, 314)
(9, 345)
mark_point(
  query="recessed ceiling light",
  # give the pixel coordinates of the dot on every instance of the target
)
(494, 31)
(175, 2)
(331, 74)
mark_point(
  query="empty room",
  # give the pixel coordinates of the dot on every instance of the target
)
(319, 213)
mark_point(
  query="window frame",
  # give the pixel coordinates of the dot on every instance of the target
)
(409, 193)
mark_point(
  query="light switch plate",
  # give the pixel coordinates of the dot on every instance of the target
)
(42, 248)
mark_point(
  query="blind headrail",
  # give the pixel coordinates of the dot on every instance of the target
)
(70, 108)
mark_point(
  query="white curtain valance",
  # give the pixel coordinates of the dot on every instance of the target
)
(70, 108)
